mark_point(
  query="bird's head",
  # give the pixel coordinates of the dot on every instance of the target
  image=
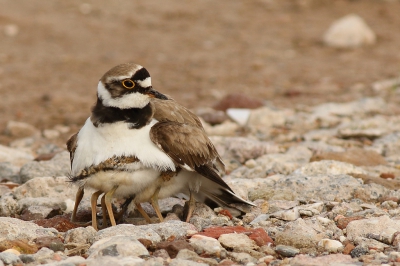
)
(127, 86)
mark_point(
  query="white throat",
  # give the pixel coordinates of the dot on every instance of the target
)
(132, 100)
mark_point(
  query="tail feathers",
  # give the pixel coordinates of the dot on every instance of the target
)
(215, 195)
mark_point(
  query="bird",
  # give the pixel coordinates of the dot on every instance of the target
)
(142, 145)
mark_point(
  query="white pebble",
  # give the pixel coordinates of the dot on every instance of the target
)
(330, 245)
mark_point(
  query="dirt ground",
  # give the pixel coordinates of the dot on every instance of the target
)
(52, 53)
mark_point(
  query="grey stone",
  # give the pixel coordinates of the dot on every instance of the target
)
(8, 205)
(349, 32)
(275, 163)
(9, 172)
(167, 229)
(128, 230)
(80, 235)
(59, 165)
(286, 251)
(376, 225)
(15, 229)
(242, 258)
(106, 260)
(186, 254)
(181, 262)
(44, 255)
(9, 258)
(307, 187)
(36, 212)
(14, 156)
(206, 245)
(117, 246)
(236, 241)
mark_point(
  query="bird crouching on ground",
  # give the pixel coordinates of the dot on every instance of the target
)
(140, 144)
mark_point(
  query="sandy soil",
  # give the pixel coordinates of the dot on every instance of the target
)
(196, 51)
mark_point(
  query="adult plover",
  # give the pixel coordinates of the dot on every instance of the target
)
(139, 143)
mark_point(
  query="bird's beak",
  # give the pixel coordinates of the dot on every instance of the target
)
(155, 94)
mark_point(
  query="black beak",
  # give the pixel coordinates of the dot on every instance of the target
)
(155, 94)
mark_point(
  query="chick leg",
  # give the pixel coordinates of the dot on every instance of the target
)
(124, 208)
(104, 212)
(142, 212)
(191, 206)
(78, 198)
(154, 203)
(93, 202)
(108, 198)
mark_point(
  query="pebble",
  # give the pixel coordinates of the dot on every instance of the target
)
(236, 241)
(332, 246)
(117, 246)
(206, 245)
(9, 258)
(376, 225)
(286, 251)
(349, 32)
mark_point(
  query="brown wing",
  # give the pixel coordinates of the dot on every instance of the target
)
(188, 145)
(71, 146)
(169, 110)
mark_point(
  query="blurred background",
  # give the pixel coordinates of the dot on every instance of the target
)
(52, 53)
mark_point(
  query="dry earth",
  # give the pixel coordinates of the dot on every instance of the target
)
(53, 52)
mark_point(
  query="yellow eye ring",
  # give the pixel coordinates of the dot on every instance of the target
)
(127, 83)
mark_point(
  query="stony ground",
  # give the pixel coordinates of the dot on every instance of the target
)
(325, 180)
(316, 147)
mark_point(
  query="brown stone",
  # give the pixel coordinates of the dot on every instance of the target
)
(348, 248)
(174, 247)
(258, 235)
(21, 245)
(60, 223)
(343, 222)
(387, 175)
(53, 243)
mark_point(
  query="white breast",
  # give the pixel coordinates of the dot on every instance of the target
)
(97, 144)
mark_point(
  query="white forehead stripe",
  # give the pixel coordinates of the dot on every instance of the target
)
(131, 100)
(145, 83)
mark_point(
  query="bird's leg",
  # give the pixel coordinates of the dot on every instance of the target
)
(78, 198)
(107, 200)
(192, 205)
(142, 212)
(93, 202)
(104, 211)
(154, 203)
(124, 208)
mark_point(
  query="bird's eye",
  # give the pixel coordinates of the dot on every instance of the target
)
(127, 83)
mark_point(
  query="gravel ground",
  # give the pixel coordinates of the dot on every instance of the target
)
(325, 180)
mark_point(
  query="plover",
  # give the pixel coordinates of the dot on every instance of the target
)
(141, 144)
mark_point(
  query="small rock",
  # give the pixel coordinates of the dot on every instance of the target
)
(212, 116)
(361, 228)
(117, 246)
(173, 247)
(287, 215)
(162, 253)
(51, 133)
(60, 223)
(15, 229)
(207, 245)
(9, 258)
(242, 258)
(239, 115)
(21, 129)
(349, 32)
(80, 235)
(14, 157)
(343, 222)
(35, 213)
(128, 230)
(59, 165)
(329, 260)
(358, 251)
(11, 30)
(332, 246)
(187, 254)
(348, 248)
(236, 241)
(44, 255)
(53, 243)
(286, 251)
